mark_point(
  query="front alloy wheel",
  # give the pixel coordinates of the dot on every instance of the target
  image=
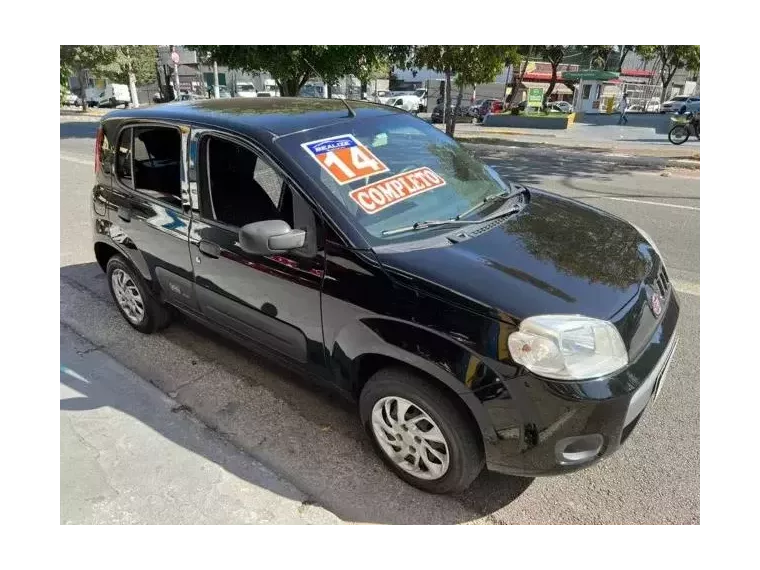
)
(421, 431)
(410, 438)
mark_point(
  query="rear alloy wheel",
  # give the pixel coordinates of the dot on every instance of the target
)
(419, 432)
(135, 302)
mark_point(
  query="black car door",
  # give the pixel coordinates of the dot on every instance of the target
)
(272, 300)
(150, 206)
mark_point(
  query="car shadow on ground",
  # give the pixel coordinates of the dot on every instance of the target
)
(93, 397)
(338, 469)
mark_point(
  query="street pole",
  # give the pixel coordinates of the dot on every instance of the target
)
(216, 81)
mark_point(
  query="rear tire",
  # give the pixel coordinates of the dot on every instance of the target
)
(134, 300)
(443, 449)
(678, 134)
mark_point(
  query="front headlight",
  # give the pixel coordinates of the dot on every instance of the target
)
(568, 347)
(647, 237)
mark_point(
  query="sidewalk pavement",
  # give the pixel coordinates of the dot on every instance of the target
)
(628, 152)
(132, 455)
(638, 141)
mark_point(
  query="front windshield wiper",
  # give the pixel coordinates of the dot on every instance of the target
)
(451, 221)
(483, 202)
(428, 224)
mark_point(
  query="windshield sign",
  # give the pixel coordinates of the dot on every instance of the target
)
(344, 158)
(394, 170)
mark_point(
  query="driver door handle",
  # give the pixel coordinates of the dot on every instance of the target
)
(209, 249)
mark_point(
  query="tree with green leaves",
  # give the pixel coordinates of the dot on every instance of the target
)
(469, 64)
(138, 60)
(83, 61)
(291, 66)
(554, 55)
(598, 56)
(672, 58)
(520, 58)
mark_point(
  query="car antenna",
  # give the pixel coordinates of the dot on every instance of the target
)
(351, 112)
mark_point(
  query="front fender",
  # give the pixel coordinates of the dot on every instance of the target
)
(414, 346)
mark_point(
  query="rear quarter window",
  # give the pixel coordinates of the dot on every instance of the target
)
(107, 145)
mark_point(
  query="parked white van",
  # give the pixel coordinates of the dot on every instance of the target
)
(246, 89)
(114, 95)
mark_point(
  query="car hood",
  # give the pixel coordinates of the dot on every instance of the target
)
(555, 256)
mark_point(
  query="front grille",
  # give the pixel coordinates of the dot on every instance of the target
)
(662, 283)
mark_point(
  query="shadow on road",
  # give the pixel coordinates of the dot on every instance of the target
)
(532, 168)
(315, 440)
(139, 405)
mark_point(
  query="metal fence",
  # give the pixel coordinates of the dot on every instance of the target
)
(642, 97)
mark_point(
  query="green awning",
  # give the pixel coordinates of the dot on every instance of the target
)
(592, 74)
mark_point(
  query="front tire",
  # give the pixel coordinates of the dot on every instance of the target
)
(678, 134)
(135, 302)
(419, 432)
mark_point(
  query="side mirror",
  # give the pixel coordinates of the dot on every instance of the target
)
(270, 237)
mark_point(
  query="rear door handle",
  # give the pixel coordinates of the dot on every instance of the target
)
(125, 213)
(209, 248)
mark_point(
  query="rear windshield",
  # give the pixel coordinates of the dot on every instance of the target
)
(393, 171)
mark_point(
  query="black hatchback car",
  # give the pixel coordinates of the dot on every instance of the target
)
(476, 321)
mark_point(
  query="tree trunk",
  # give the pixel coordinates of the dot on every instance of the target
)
(518, 80)
(456, 110)
(133, 90)
(666, 79)
(552, 83)
(289, 86)
(82, 78)
(329, 91)
(622, 59)
(363, 89)
(447, 102)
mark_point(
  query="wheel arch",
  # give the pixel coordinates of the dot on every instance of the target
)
(359, 352)
(105, 250)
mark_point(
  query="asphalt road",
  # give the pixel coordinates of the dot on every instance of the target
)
(312, 439)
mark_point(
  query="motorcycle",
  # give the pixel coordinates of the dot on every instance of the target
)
(681, 132)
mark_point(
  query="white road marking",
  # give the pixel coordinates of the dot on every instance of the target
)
(69, 158)
(663, 204)
(686, 287)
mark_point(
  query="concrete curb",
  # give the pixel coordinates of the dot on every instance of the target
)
(601, 154)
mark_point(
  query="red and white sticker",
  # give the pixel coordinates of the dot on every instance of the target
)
(377, 196)
(344, 158)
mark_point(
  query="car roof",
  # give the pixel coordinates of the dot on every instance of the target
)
(275, 115)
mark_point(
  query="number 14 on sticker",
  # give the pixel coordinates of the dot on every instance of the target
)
(344, 158)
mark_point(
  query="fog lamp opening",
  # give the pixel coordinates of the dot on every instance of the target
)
(578, 449)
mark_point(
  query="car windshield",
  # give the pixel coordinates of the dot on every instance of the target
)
(245, 87)
(680, 98)
(392, 171)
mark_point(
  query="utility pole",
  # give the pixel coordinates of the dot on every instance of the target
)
(216, 81)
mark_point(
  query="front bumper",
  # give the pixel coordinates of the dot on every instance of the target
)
(548, 428)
